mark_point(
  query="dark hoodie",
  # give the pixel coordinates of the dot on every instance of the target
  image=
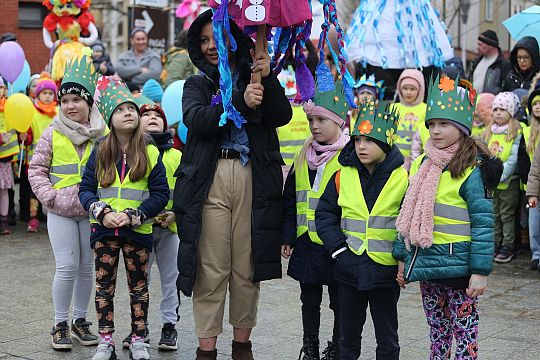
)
(200, 156)
(104, 58)
(516, 78)
(357, 271)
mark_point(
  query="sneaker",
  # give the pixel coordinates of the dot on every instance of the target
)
(138, 350)
(80, 330)
(33, 225)
(534, 264)
(127, 340)
(105, 351)
(168, 339)
(504, 256)
(60, 337)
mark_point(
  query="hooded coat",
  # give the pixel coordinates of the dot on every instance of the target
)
(199, 159)
(516, 78)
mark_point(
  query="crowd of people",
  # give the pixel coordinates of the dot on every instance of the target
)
(432, 185)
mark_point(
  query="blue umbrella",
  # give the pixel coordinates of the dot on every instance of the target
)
(525, 23)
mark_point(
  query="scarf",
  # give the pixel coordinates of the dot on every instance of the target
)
(163, 141)
(326, 152)
(2, 104)
(415, 221)
(46, 109)
(79, 133)
(496, 129)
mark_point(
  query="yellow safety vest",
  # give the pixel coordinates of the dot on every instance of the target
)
(424, 133)
(409, 118)
(40, 122)
(171, 160)
(477, 131)
(293, 135)
(451, 221)
(67, 167)
(128, 194)
(11, 147)
(500, 147)
(307, 198)
(372, 232)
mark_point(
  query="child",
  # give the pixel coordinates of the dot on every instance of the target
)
(9, 146)
(483, 114)
(31, 87)
(124, 184)
(165, 234)
(412, 110)
(446, 223)
(532, 137)
(54, 174)
(313, 166)
(367, 90)
(46, 106)
(503, 138)
(355, 220)
(101, 60)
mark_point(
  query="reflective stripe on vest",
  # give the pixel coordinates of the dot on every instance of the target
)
(171, 159)
(409, 119)
(11, 147)
(67, 167)
(371, 232)
(293, 135)
(307, 198)
(451, 221)
(501, 148)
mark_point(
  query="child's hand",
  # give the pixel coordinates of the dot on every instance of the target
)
(123, 219)
(167, 219)
(477, 285)
(110, 221)
(399, 278)
(533, 201)
(253, 95)
(286, 251)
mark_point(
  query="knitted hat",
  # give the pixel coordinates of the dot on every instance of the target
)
(152, 90)
(485, 101)
(490, 38)
(97, 46)
(80, 78)
(113, 93)
(156, 108)
(45, 83)
(414, 78)
(329, 104)
(505, 100)
(378, 122)
(534, 100)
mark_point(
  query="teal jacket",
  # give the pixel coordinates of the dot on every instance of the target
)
(460, 259)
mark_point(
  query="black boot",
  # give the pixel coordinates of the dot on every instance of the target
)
(310, 349)
(331, 351)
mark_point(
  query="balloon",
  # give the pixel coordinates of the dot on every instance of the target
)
(11, 60)
(19, 85)
(19, 111)
(171, 103)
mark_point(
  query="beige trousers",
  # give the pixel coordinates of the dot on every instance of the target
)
(224, 253)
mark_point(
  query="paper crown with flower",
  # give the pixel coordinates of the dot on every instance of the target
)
(371, 81)
(113, 93)
(377, 121)
(333, 99)
(80, 71)
(447, 100)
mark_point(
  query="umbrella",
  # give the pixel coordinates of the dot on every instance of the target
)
(525, 23)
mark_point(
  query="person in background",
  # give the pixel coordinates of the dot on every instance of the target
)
(483, 114)
(140, 63)
(177, 65)
(525, 60)
(102, 61)
(153, 90)
(490, 68)
(31, 87)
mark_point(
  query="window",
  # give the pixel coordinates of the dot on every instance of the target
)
(31, 15)
(489, 10)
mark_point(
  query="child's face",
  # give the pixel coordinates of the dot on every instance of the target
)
(97, 54)
(33, 85)
(365, 96)
(368, 151)
(536, 109)
(410, 93)
(125, 117)
(74, 108)
(152, 122)
(324, 131)
(208, 46)
(3, 91)
(500, 116)
(46, 96)
(443, 133)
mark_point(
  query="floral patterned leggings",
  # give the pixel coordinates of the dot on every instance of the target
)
(450, 313)
(107, 252)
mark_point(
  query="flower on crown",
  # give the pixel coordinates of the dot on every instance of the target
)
(365, 127)
(446, 84)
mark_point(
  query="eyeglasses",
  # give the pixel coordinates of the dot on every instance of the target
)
(523, 58)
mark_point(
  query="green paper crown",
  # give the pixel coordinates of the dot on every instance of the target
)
(81, 71)
(378, 122)
(141, 100)
(447, 100)
(113, 93)
(333, 100)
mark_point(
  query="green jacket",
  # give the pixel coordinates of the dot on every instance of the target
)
(177, 66)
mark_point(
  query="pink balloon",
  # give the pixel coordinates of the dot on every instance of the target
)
(11, 60)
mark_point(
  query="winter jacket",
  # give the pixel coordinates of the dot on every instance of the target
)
(64, 202)
(460, 259)
(200, 156)
(495, 75)
(177, 66)
(516, 78)
(158, 189)
(533, 180)
(103, 59)
(129, 67)
(350, 269)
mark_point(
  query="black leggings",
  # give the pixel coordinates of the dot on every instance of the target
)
(311, 297)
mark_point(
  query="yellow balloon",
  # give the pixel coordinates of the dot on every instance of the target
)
(19, 111)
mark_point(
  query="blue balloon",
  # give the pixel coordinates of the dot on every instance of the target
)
(20, 84)
(172, 106)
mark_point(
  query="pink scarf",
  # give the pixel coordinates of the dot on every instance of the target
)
(415, 221)
(327, 152)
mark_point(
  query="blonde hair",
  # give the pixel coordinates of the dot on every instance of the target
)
(514, 129)
(535, 134)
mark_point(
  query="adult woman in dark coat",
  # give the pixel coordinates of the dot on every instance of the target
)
(223, 242)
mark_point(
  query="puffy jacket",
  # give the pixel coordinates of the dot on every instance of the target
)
(517, 79)
(463, 258)
(495, 75)
(177, 66)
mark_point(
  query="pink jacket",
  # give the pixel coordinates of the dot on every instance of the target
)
(64, 202)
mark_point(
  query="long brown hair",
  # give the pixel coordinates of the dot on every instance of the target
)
(467, 155)
(109, 150)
